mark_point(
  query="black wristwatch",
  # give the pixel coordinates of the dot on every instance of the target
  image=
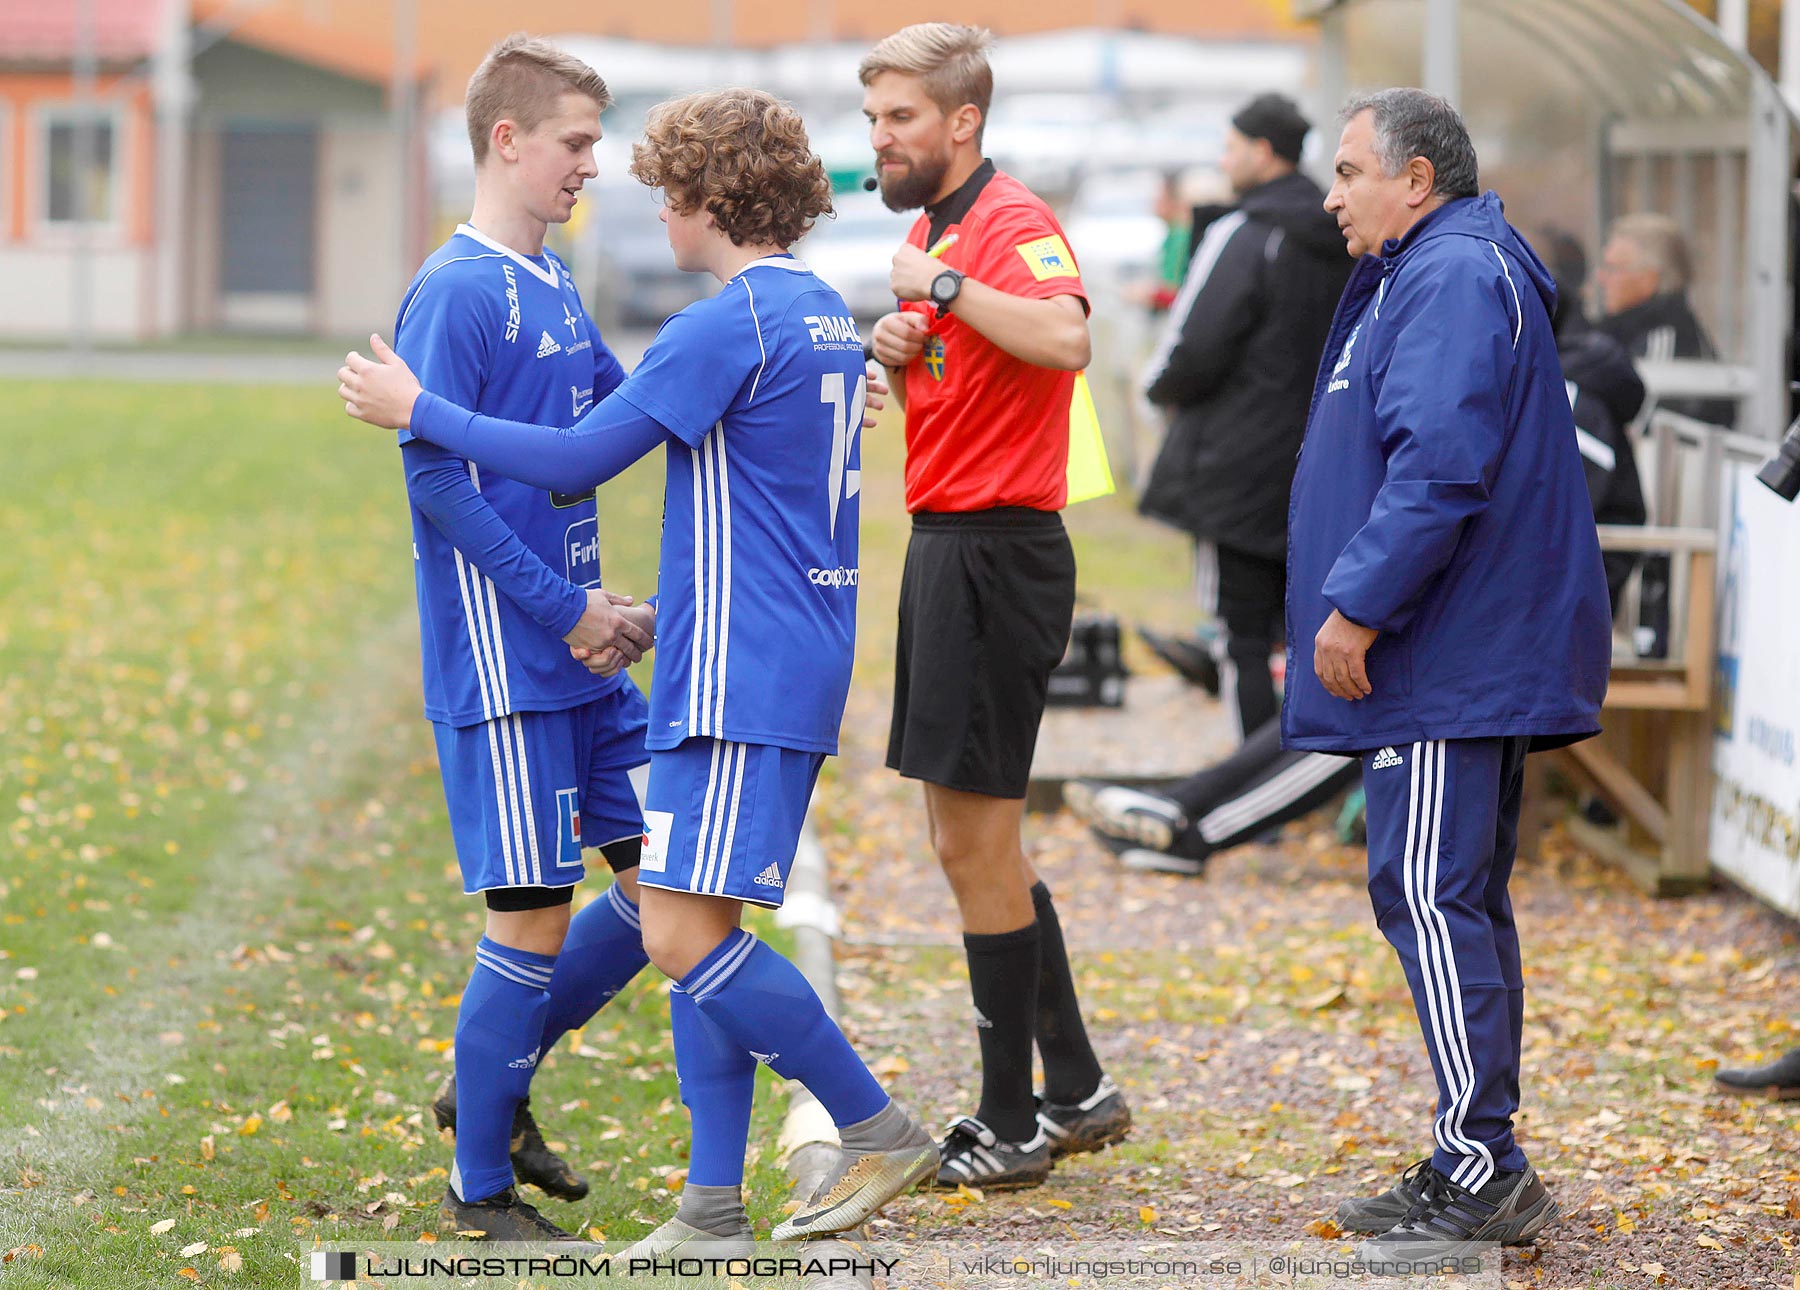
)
(945, 288)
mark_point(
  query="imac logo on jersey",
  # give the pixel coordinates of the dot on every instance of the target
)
(581, 552)
(826, 328)
(512, 303)
(568, 827)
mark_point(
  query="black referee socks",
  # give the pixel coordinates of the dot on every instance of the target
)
(1003, 978)
(1071, 1071)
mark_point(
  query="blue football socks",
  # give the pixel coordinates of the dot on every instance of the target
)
(499, 1034)
(718, 1084)
(763, 1003)
(603, 951)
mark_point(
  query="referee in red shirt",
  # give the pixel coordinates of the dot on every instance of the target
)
(982, 355)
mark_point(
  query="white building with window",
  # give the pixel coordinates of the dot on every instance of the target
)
(185, 165)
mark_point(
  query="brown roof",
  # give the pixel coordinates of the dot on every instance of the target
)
(32, 31)
(454, 34)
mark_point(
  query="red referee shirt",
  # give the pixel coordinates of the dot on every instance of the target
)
(983, 428)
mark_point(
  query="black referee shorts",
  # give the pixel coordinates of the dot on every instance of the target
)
(985, 607)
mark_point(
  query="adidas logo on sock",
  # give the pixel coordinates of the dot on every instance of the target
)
(981, 1020)
(528, 1062)
(548, 346)
(1385, 758)
(765, 1058)
(770, 877)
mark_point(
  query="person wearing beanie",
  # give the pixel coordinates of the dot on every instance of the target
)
(1232, 372)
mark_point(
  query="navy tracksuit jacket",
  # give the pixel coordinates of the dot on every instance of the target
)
(1440, 499)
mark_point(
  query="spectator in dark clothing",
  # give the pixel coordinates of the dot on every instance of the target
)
(1605, 395)
(1234, 370)
(1644, 275)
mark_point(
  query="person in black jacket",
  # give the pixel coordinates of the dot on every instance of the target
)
(1605, 394)
(1234, 370)
(1644, 273)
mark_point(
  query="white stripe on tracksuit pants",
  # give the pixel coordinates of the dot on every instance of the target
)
(1443, 831)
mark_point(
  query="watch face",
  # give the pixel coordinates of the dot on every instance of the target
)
(944, 287)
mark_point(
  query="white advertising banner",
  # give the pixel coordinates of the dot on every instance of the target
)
(1756, 757)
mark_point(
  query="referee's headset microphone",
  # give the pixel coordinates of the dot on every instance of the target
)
(870, 183)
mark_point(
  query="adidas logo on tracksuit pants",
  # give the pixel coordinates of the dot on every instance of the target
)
(1443, 832)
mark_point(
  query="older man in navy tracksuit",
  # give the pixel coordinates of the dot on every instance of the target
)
(1445, 578)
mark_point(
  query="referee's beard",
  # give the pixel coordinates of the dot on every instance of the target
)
(918, 183)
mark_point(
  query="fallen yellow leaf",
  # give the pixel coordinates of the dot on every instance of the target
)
(250, 1125)
(1146, 1215)
(157, 1229)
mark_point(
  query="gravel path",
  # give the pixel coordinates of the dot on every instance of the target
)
(1264, 1035)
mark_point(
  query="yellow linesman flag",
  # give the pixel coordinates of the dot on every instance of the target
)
(1089, 474)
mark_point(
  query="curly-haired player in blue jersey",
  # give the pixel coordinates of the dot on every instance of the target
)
(534, 749)
(758, 395)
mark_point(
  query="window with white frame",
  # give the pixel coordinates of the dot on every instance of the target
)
(80, 149)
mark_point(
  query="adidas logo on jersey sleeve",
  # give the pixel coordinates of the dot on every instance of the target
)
(547, 346)
(769, 877)
(1386, 758)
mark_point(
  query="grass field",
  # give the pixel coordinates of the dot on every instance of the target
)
(231, 939)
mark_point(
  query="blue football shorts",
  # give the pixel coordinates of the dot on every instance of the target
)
(529, 790)
(723, 819)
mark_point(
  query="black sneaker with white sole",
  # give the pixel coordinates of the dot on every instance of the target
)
(1097, 1121)
(1376, 1214)
(532, 1159)
(1126, 814)
(1451, 1224)
(970, 1155)
(500, 1217)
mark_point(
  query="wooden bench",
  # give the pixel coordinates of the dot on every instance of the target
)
(1654, 763)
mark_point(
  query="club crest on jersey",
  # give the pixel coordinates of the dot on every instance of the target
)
(934, 357)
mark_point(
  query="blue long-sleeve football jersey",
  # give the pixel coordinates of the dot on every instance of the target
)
(759, 394)
(501, 568)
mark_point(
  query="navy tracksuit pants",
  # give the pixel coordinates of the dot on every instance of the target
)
(1443, 832)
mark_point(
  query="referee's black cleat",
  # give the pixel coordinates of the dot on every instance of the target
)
(1376, 1214)
(500, 1217)
(1097, 1121)
(1780, 1079)
(532, 1159)
(1190, 658)
(1451, 1224)
(970, 1155)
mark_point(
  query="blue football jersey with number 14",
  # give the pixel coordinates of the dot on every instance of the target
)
(762, 387)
